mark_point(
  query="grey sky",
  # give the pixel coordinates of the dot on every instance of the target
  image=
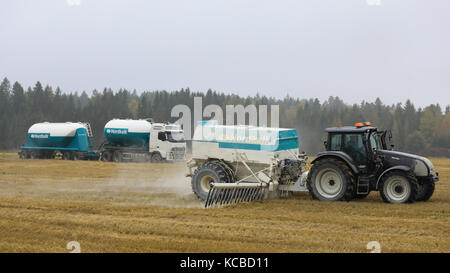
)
(316, 48)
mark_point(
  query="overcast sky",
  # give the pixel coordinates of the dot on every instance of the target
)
(354, 49)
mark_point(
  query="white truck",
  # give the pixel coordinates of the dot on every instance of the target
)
(142, 140)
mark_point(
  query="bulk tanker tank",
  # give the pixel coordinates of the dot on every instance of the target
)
(70, 140)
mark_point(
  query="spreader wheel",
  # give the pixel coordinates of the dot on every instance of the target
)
(204, 175)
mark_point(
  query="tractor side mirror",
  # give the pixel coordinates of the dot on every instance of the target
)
(392, 147)
(325, 143)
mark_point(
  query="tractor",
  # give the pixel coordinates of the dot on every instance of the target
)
(357, 160)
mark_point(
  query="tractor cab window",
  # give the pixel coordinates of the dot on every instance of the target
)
(336, 142)
(354, 147)
(374, 141)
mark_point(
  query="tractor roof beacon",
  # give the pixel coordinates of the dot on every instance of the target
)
(357, 160)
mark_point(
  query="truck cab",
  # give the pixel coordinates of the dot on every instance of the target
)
(167, 141)
(142, 140)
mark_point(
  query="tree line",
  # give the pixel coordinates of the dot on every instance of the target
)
(424, 131)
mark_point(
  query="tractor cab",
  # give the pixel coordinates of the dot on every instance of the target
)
(359, 143)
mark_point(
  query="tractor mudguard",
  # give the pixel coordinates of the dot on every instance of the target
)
(399, 168)
(341, 155)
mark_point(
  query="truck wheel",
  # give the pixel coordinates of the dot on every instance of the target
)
(66, 156)
(331, 180)
(117, 157)
(204, 175)
(22, 155)
(426, 190)
(156, 158)
(399, 187)
(106, 156)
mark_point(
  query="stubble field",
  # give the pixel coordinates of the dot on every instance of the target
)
(142, 207)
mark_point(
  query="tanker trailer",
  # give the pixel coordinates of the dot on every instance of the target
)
(142, 140)
(68, 140)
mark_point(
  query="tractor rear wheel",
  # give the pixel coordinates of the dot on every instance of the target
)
(399, 187)
(331, 180)
(209, 172)
(426, 190)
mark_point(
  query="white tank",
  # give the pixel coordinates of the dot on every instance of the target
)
(132, 125)
(66, 129)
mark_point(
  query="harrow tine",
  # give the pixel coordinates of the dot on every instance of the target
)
(219, 196)
(224, 196)
(207, 198)
(210, 197)
(233, 194)
(255, 191)
(244, 194)
(238, 195)
(241, 195)
(249, 195)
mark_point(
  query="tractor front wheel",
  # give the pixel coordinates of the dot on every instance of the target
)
(331, 180)
(426, 190)
(399, 187)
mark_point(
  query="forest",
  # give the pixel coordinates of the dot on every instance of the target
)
(424, 131)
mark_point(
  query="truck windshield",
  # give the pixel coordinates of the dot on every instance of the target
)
(175, 136)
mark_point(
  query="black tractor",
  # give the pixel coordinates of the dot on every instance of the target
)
(357, 161)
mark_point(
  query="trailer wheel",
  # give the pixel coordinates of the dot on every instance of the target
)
(426, 190)
(331, 180)
(399, 187)
(204, 175)
(33, 155)
(106, 156)
(117, 157)
(76, 156)
(156, 158)
(22, 155)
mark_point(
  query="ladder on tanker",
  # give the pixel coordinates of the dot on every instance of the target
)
(89, 130)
